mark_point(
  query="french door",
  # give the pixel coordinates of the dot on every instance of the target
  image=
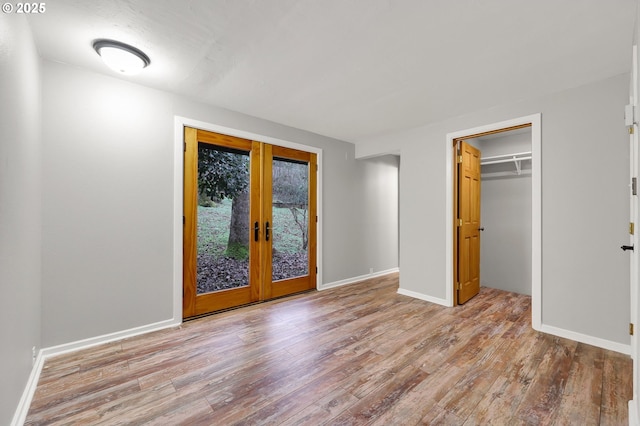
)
(249, 222)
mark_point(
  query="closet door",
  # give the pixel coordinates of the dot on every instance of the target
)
(469, 222)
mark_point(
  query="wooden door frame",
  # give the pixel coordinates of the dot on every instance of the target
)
(178, 190)
(535, 121)
(634, 217)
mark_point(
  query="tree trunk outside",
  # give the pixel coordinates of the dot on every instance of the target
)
(302, 224)
(239, 227)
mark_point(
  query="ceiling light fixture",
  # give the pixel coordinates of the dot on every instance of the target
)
(121, 57)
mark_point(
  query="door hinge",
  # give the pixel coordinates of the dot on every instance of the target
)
(631, 328)
(631, 228)
(184, 220)
(459, 286)
(634, 186)
(316, 219)
(630, 116)
(631, 130)
(316, 269)
(184, 147)
(459, 159)
(459, 222)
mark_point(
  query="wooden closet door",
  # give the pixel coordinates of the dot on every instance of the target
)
(469, 226)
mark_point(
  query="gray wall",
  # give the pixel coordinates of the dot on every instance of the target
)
(378, 219)
(585, 204)
(20, 213)
(505, 253)
(108, 202)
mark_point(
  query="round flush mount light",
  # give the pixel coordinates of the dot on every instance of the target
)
(121, 57)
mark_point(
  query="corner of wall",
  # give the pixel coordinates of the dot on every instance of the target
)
(21, 215)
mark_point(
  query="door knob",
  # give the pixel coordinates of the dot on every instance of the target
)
(625, 248)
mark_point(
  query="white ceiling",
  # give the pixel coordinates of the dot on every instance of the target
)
(351, 69)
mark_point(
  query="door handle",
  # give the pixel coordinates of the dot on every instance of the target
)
(481, 229)
(625, 248)
(266, 231)
(256, 231)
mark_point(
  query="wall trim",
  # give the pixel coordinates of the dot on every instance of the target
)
(634, 420)
(107, 338)
(589, 340)
(354, 280)
(25, 401)
(536, 207)
(22, 410)
(548, 329)
(46, 353)
(424, 297)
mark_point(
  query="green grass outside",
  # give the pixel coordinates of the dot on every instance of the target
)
(213, 229)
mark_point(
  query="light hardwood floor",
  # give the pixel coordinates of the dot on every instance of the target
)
(359, 354)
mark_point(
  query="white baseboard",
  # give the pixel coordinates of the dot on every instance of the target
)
(567, 334)
(22, 410)
(424, 297)
(589, 340)
(25, 401)
(353, 280)
(633, 413)
(106, 338)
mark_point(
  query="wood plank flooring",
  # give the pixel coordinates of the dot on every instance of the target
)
(354, 355)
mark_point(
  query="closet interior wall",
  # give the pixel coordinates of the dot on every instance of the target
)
(505, 251)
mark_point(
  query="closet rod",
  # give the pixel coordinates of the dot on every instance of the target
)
(516, 154)
(506, 160)
(505, 174)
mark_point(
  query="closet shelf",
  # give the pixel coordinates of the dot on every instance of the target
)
(517, 158)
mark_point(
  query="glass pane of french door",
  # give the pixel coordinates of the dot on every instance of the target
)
(290, 215)
(223, 218)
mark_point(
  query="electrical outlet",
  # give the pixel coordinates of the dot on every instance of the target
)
(33, 355)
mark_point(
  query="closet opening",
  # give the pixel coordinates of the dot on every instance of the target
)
(492, 211)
